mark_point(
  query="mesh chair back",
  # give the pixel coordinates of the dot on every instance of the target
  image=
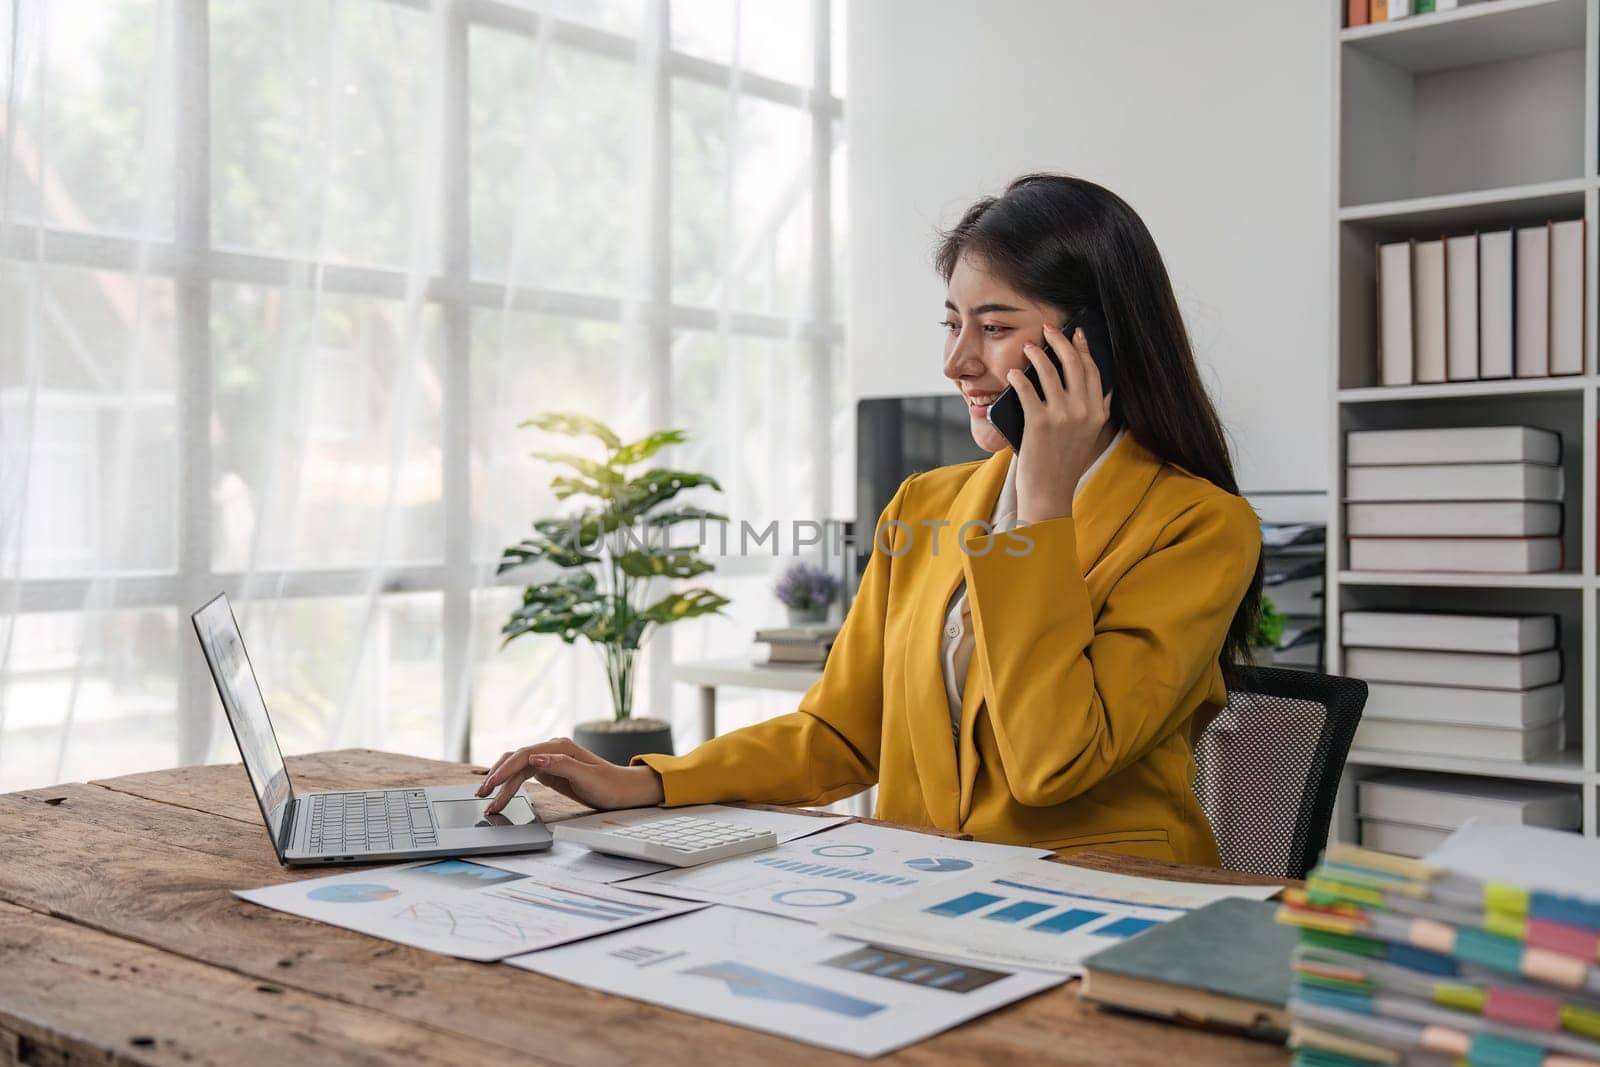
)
(1268, 767)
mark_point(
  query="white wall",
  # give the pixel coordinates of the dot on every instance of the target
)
(1211, 119)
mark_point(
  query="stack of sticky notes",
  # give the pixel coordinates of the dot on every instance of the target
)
(1487, 953)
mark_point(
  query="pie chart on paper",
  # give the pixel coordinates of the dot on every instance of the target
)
(835, 852)
(352, 893)
(939, 864)
(813, 898)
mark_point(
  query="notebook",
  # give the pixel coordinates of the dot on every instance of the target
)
(1224, 966)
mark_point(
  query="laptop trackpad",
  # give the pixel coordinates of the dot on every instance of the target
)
(468, 814)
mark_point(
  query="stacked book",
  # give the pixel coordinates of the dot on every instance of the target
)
(1469, 686)
(1223, 966)
(1361, 12)
(1482, 305)
(1411, 813)
(1480, 499)
(1482, 955)
(799, 645)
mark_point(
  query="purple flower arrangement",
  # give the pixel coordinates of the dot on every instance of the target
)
(806, 588)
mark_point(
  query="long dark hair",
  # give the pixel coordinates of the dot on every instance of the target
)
(1067, 242)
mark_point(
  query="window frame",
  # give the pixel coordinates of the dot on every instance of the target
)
(194, 264)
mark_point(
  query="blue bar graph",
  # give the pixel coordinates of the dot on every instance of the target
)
(1067, 920)
(1015, 913)
(964, 904)
(916, 970)
(823, 870)
(1082, 896)
(1125, 927)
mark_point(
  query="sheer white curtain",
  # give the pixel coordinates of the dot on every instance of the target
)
(278, 279)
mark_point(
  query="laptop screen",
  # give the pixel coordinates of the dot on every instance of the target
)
(247, 712)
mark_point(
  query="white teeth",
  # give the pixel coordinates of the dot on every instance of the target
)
(981, 399)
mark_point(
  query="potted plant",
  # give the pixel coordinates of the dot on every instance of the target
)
(1268, 632)
(611, 551)
(806, 592)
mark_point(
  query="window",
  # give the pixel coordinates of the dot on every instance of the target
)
(279, 280)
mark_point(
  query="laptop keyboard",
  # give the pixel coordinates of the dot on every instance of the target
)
(389, 820)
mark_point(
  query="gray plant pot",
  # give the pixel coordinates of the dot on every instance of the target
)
(806, 616)
(618, 742)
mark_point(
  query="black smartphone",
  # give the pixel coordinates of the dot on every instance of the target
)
(1006, 411)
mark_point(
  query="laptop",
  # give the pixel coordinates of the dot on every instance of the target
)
(360, 826)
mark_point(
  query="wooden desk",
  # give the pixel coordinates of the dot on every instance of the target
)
(121, 942)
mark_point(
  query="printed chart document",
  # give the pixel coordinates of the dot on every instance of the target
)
(788, 978)
(1045, 915)
(465, 909)
(564, 859)
(835, 871)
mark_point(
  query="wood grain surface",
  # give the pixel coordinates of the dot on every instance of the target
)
(122, 942)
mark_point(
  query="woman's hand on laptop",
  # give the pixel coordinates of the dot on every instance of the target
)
(573, 771)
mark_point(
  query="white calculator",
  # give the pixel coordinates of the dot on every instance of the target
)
(676, 840)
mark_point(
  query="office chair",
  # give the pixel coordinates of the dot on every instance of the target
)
(1268, 766)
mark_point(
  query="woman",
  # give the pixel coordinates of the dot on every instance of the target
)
(1042, 681)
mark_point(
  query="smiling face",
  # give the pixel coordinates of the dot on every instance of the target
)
(986, 324)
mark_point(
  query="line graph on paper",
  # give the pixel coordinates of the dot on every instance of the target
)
(466, 922)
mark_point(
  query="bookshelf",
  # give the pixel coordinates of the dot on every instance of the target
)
(1484, 117)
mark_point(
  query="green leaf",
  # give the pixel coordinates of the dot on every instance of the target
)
(564, 542)
(531, 551)
(567, 607)
(591, 469)
(684, 605)
(574, 425)
(607, 630)
(566, 487)
(518, 555)
(655, 487)
(683, 514)
(663, 563)
(580, 531)
(633, 633)
(646, 447)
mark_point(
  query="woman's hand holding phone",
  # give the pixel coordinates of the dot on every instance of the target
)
(1064, 428)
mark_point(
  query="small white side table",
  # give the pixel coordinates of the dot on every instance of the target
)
(738, 671)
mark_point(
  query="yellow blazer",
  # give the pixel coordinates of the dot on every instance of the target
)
(1095, 664)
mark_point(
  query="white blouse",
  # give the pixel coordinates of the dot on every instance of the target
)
(957, 640)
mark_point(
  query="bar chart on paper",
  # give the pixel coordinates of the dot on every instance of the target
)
(828, 870)
(1090, 915)
(790, 978)
(1045, 915)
